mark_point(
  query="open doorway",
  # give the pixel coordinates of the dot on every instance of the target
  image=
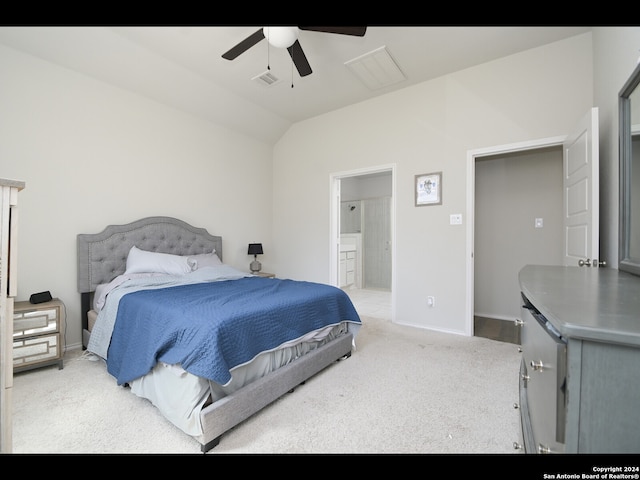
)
(362, 236)
(580, 201)
(518, 221)
(473, 157)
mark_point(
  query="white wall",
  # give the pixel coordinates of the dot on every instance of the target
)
(93, 155)
(366, 186)
(426, 128)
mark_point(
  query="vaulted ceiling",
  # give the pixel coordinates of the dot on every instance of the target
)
(182, 66)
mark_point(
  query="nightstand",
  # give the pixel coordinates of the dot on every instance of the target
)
(265, 274)
(37, 334)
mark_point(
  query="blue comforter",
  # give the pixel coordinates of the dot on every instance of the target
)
(209, 328)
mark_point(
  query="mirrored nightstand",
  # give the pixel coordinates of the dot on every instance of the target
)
(37, 334)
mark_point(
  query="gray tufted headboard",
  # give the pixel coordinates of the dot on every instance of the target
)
(103, 256)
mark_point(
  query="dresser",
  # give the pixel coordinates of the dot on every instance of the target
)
(579, 378)
(8, 289)
(37, 334)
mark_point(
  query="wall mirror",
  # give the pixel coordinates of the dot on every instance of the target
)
(629, 125)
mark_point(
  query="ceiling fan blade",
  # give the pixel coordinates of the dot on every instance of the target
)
(299, 59)
(244, 45)
(355, 31)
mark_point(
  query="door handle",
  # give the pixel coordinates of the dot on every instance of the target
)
(588, 263)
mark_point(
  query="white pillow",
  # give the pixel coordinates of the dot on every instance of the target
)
(205, 260)
(141, 261)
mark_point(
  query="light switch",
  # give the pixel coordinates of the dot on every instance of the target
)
(539, 223)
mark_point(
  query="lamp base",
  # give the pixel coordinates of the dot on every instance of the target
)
(255, 266)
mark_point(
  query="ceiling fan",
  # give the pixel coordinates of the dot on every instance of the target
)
(287, 37)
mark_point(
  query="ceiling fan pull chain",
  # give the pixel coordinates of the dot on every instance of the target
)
(268, 52)
(291, 73)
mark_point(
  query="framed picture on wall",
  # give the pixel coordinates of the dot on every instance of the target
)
(428, 189)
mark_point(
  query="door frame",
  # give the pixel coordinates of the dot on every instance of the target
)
(334, 227)
(472, 156)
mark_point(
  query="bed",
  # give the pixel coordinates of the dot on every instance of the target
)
(209, 345)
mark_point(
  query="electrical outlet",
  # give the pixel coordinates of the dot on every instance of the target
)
(455, 219)
(431, 302)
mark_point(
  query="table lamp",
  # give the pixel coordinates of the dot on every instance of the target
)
(255, 249)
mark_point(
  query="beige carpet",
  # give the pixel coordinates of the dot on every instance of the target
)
(404, 390)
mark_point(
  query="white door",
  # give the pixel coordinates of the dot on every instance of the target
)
(376, 243)
(580, 193)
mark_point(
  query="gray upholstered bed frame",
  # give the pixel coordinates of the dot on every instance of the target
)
(103, 256)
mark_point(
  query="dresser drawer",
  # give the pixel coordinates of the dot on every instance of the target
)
(44, 349)
(544, 358)
(27, 323)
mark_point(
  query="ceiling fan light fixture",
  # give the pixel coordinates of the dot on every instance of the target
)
(281, 37)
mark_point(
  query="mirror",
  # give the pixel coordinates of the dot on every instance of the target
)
(629, 125)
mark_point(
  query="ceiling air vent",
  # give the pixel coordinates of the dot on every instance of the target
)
(266, 78)
(376, 69)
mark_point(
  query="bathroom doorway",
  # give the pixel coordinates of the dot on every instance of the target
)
(363, 229)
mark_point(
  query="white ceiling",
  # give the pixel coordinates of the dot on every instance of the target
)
(181, 66)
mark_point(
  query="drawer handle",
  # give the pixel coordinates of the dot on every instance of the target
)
(543, 449)
(524, 377)
(518, 322)
(536, 365)
(516, 446)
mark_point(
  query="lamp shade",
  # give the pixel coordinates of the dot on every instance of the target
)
(255, 249)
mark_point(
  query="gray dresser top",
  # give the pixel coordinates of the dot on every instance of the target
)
(588, 303)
